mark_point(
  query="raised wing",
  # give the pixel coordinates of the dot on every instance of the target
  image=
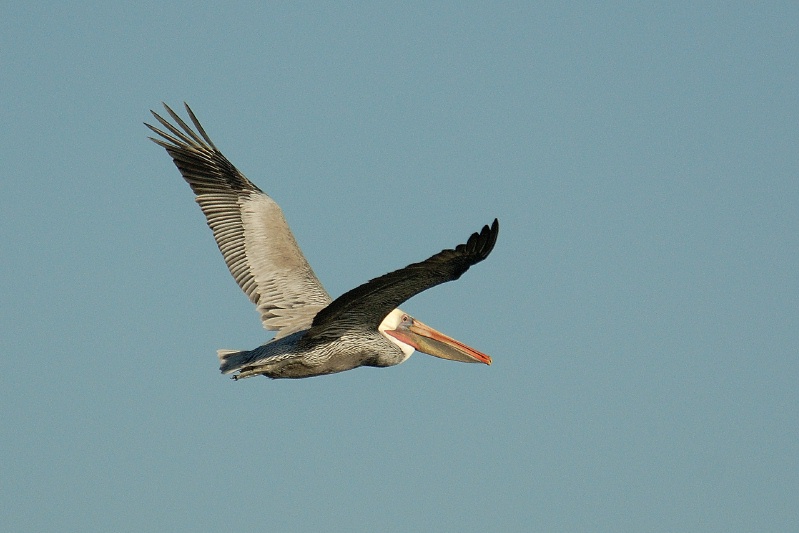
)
(250, 230)
(369, 303)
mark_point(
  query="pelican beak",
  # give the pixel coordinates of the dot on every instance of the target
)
(427, 340)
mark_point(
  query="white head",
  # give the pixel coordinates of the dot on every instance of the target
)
(392, 322)
(409, 334)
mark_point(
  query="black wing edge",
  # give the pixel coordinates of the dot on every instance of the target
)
(198, 159)
(186, 137)
(479, 245)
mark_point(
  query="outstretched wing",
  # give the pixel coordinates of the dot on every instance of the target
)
(369, 303)
(250, 230)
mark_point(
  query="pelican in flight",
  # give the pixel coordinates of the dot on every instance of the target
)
(316, 335)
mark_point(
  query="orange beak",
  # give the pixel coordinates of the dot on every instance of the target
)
(432, 342)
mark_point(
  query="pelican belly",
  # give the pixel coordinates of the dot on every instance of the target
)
(290, 357)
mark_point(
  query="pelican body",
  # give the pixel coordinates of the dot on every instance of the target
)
(315, 335)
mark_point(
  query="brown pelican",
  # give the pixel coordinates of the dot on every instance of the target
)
(315, 334)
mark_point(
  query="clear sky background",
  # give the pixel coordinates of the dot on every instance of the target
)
(640, 305)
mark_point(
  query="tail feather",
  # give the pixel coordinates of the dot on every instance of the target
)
(231, 360)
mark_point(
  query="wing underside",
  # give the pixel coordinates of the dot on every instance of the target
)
(249, 227)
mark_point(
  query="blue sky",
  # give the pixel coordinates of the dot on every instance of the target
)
(640, 305)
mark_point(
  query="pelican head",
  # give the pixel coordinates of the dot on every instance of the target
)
(410, 334)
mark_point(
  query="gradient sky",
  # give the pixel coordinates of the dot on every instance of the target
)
(640, 305)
